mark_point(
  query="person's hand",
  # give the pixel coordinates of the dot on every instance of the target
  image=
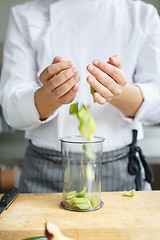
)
(53, 232)
(58, 87)
(108, 79)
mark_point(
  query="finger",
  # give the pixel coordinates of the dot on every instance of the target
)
(61, 78)
(98, 87)
(54, 69)
(115, 73)
(105, 80)
(98, 98)
(66, 87)
(58, 59)
(116, 60)
(69, 96)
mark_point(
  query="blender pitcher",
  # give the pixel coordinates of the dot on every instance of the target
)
(81, 163)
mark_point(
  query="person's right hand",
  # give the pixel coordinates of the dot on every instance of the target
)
(58, 87)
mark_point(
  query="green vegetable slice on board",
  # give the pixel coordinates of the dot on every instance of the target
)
(129, 193)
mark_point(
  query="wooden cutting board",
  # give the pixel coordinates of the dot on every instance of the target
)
(121, 218)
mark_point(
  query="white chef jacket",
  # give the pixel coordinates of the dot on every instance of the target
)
(80, 31)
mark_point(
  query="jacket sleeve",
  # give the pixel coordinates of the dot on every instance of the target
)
(19, 78)
(147, 75)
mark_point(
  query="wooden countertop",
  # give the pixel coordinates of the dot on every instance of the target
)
(121, 218)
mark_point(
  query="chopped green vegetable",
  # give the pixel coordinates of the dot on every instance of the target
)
(73, 109)
(83, 114)
(87, 125)
(90, 173)
(90, 128)
(82, 206)
(82, 193)
(71, 194)
(88, 153)
(67, 172)
(129, 193)
(80, 200)
(93, 200)
(87, 128)
(92, 91)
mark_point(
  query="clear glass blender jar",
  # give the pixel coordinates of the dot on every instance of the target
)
(81, 163)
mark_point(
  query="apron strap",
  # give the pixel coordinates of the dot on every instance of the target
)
(134, 168)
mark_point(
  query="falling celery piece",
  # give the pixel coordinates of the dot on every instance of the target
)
(90, 173)
(67, 173)
(129, 193)
(88, 153)
(83, 114)
(90, 128)
(73, 108)
(87, 130)
(87, 125)
(92, 91)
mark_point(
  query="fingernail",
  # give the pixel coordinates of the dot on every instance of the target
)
(113, 59)
(74, 70)
(96, 62)
(76, 77)
(69, 63)
(90, 79)
(90, 68)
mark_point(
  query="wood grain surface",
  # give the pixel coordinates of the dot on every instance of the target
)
(121, 218)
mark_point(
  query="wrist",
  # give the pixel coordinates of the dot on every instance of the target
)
(129, 101)
(44, 105)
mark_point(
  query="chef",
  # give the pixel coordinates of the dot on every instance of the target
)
(111, 45)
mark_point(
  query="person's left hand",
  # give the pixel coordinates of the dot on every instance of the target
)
(108, 79)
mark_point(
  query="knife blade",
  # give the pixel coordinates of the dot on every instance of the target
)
(8, 198)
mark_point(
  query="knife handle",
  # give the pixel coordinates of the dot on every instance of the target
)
(9, 197)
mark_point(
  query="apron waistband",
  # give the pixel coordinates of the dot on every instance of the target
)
(106, 156)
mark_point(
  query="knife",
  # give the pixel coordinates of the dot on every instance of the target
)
(8, 198)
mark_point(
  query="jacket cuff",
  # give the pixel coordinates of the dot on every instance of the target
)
(30, 113)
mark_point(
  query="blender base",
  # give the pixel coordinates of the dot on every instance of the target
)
(82, 210)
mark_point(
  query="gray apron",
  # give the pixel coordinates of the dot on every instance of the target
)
(42, 171)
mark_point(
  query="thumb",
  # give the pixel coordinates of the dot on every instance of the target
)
(58, 59)
(116, 61)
